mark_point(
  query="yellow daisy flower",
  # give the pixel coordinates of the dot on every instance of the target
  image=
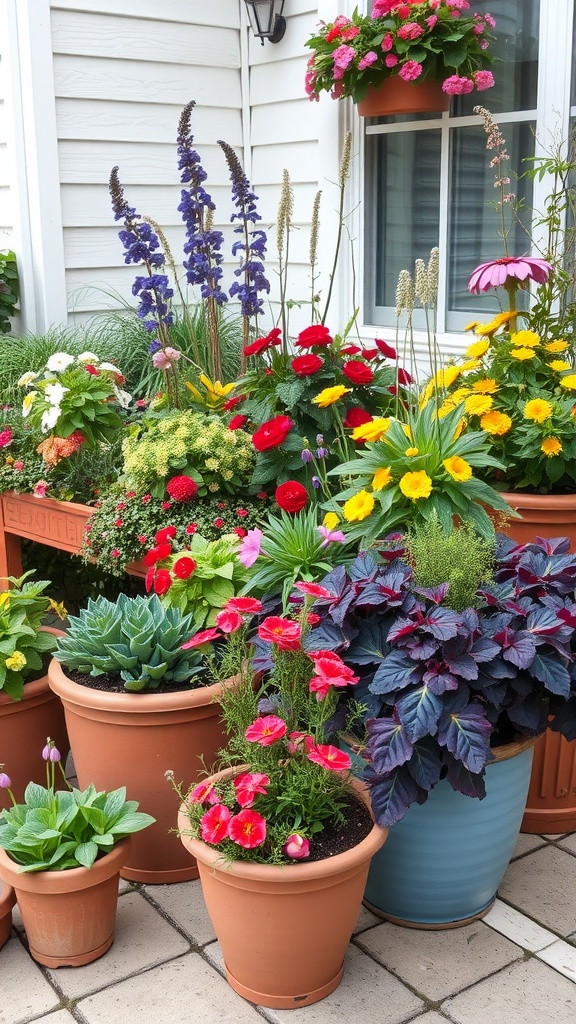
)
(16, 661)
(478, 348)
(359, 507)
(556, 346)
(371, 431)
(381, 477)
(416, 485)
(470, 364)
(551, 446)
(569, 382)
(459, 429)
(407, 430)
(522, 353)
(459, 395)
(497, 423)
(529, 339)
(487, 386)
(458, 468)
(538, 409)
(330, 395)
(558, 365)
(471, 325)
(495, 323)
(477, 405)
(330, 520)
(411, 452)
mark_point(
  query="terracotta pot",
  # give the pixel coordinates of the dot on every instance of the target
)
(7, 901)
(284, 930)
(68, 916)
(132, 739)
(394, 96)
(24, 727)
(543, 515)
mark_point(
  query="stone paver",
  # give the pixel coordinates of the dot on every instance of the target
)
(186, 989)
(542, 886)
(439, 963)
(569, 843)
(60, 1017)
(562, 957)
(518, 928)
(184, 904)
(24, 992)
(525, 844)
(432, 1017)
(525, 993)
(143, 939)
(366, 919)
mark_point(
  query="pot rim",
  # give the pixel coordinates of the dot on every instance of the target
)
(500, 753)
(54, 882)
(7, 897)
(518, 499)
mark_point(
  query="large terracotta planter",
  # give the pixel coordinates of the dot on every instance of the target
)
(132, 740)
(68, 916)
(394, 96)
(24, 727)
(284, 930)
(444, 861)
(7, 901)
(543, 515)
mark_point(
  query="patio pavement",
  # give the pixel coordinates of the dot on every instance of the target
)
(517, 966)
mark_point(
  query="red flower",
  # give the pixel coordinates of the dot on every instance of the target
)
(130, 494)
(240, 531)
(266, 730)
(404, 377)
(206, 636)
(166, 505)
(246, 605)
(318, 334)
(162, 582)
(203, 793)
(146, 498)
(329, 757)
(291, 496)
(236, 422)
(369, 353)
(120, 506)
(261, 344)
(157, 554)
(248, 785)
(91, 370)
(184, 567)
(272, 433)
(151, 557)
(182, 488)
(229, 620)
(214, 824)
(118, 523)
(355, 417)
(283, 632)
(142, 538)
(218, 523)
(242, 513)
(312, 619)
(385, 348)
(350, 350)
(305, 366)
(149, 579)
(115, 553)
(163, 536)
(313, 589)
(233, 402)
(192, 527)
(247, 828)
(358, 372)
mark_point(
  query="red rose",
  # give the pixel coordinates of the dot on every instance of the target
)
(291, 496)
(236, 422)
(184, 567)
(162, 582)
(350, 350)
(385, 348)
(304, 366)
(272, 433)
(261, 344)
(404, 377)
(182, 488)
(355, 417)
(318, 334)
(358, 372)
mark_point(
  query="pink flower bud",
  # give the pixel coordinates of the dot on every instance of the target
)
(46, 752)
(296, 847)
(55, 754)
(5, 781)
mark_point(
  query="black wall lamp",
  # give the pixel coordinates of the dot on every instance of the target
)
(266, 19)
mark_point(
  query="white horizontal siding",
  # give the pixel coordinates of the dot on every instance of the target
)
(193, 12)
(101, 120)
(85, 206)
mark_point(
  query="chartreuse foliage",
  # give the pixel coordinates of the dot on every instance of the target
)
(21, 644)
(439, 684)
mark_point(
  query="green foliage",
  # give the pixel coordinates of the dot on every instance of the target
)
(189, 444)
(218, 576)
(462, 559)
(9, 289)
(22, 645)
(54, 831)
(135, 639)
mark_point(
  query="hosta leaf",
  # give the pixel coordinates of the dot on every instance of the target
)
(86, 854)
(388, 744)
(466, 734)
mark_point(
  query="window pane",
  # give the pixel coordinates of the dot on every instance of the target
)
(402, 217)
(475, 222)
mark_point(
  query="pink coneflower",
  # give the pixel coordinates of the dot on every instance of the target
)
(520, 269)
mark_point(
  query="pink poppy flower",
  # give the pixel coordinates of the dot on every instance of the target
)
(329, 757)
(266, 730)
(283, 632)
(204, 793)
(214, 825)
(248, 785)
(313, 589)
(331, 536)
(296, 847)
(206, 636)
(519, 268)
(250, 547)
(299, 739)
(229, 620)
(248, 829)
(246, 605)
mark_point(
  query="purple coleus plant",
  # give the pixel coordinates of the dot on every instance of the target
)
(439, 686)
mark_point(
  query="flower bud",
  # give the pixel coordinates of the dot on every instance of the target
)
(296, 847)
(46, 751)
(5, 781)
(55, 754)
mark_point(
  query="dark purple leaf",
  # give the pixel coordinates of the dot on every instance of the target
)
(464, 781)
(391, 796)
(518, 647)
(425, 764)
(419, 712)
(369, 647)
(552, 672)
(439, 679)
(336, 581)
(327, 637)
(484, 649)
(530, 715)
(564, 720)
(464, 666)
(421, 648)
(402, 627)
(396, 672)
(466, 734)
(388, 744)
(443, 623)
(434, 594)
(363, 567)
(543, 622)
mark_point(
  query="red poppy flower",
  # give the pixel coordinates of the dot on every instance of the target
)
(355, 417)
(229, 620)
(214, 824)
(358, 372)
(266, 730)
(162, 582)
(246, 605)
(261, 344)
(184, 567)
(313, 589)
(291, 496)
(283, 632)
(329, 757)
(272, 433)
(350, 350)
(404, 377)
(236, 422)
(248, 785)
(318, 334)
(206, 636)
(385, 348)
(247, 828)
(305, 366)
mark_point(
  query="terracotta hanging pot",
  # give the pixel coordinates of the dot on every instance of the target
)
(68, 916)
(284, 930)
(7, 901)
(24, 726)
(132, 740)
(395, 96)
(551, 802)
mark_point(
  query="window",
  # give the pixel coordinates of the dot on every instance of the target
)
(427, 179)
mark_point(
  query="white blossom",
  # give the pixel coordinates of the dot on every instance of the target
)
(55, 393)
(27, 378)
(50, 418)
(59, 361)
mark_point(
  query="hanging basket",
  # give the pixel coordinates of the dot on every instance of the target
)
(395, 96)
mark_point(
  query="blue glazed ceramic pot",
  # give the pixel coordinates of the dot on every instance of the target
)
(443, 862)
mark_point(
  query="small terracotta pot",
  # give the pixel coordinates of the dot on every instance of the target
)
(132, 739)
(68, 916)
(395, 96)
(24, 727)
(284, 930)
(7, 901)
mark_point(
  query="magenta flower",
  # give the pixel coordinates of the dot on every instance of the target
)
(5, 781)
(214, 824)
(204, 793)
(206, 636)
(40, 489)
(410, 70)
(250, 547)
(246, 605)
(411, 30)
(331, 536)
(266, 730)
(248, 785)
(483, 80)
(457, 85)
(391, 60)
(285, 633)
(343, 56)
(296, 847)
(229, 620)
(248, 829)
(499, 272)
(329, 757)
(367, 60)
(313, 590)
(5, 437)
